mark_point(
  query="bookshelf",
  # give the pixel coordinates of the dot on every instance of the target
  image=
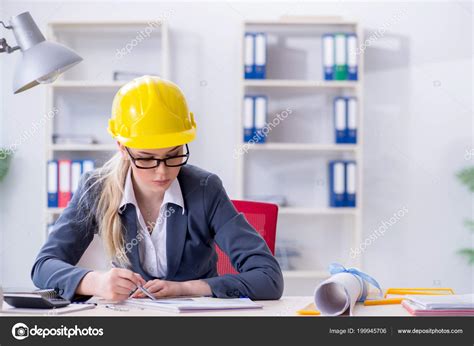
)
(285, 163)
(82, 97)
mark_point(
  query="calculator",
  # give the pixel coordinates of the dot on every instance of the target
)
(39, 299)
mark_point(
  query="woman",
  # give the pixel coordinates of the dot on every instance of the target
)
(157, 216)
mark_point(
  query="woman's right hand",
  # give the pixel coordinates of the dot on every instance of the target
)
(118, 283)
(114, 284)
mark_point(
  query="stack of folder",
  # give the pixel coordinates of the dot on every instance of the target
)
(342, 183)
(340, 56)
(255, 118)
(255, 55)
(345, 120)
(63, 180)
(443, 305)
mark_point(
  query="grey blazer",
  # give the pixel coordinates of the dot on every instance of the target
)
(209, 217)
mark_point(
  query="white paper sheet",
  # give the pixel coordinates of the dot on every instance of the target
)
(338, 293)
(185, 304)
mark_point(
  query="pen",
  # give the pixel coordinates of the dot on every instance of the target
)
(140, 287)
(116, 308)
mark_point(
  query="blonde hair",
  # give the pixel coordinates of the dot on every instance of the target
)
(111, 178)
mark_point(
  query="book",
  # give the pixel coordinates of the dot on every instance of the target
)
(445, 305)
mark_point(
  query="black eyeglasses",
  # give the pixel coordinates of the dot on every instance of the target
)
(149, 163)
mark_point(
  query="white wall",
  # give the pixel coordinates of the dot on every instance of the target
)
(1, 142)
(418, 124)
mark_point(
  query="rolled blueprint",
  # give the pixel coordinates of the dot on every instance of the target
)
(339, 293)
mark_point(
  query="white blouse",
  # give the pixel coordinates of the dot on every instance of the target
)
(152, 247)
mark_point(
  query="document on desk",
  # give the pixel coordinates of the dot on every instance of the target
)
(448, 305)
(338, 294)
(193, 304)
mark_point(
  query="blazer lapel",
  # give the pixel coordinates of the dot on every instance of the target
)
(129, 219)
(176, 230)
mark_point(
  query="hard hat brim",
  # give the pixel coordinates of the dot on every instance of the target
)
(158, 141)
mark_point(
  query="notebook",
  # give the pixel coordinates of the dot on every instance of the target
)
(447, 305)
(193, 304)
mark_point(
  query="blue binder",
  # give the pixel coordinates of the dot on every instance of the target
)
(337, 183)
(87, 166)
(53, 184)
(260, 55)
(351, 111)
(352, 56)
(328, 56)
(249, 56)
(351, 183)
(260, 118)
(255, 55)
(76, 172)
(248, 116)
(340, 120)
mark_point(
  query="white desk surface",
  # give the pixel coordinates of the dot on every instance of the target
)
(286, 306)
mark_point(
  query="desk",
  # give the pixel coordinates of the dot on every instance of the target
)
(286, 306)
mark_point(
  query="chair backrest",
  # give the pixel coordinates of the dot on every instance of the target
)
(263, 217)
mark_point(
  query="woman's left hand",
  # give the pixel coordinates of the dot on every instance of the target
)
(161, 288)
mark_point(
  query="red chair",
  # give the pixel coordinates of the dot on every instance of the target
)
(263, 217)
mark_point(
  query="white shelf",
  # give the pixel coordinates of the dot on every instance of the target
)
(303, 147)
(93, 87)
(83, 147)
(86, 84)
(305, 274)
(317, 211)
(54, 211)
(286, 21)
(58, 24)
(294, 83)
(298, 87)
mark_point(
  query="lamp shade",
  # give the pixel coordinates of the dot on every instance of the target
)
(41, 61)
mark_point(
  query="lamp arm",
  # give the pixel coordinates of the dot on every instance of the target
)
(4, 47)
(5, 26)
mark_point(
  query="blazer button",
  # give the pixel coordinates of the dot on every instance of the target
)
(236, 293)
(230, 293)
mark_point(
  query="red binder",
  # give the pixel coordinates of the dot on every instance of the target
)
(64, 183)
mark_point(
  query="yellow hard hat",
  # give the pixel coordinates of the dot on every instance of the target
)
(151, 113)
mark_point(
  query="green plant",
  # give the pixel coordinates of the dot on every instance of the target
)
(5, 158)
(466, 176)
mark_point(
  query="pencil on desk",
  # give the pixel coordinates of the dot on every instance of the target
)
(309, 310)
(387, 301)
(420, 291)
